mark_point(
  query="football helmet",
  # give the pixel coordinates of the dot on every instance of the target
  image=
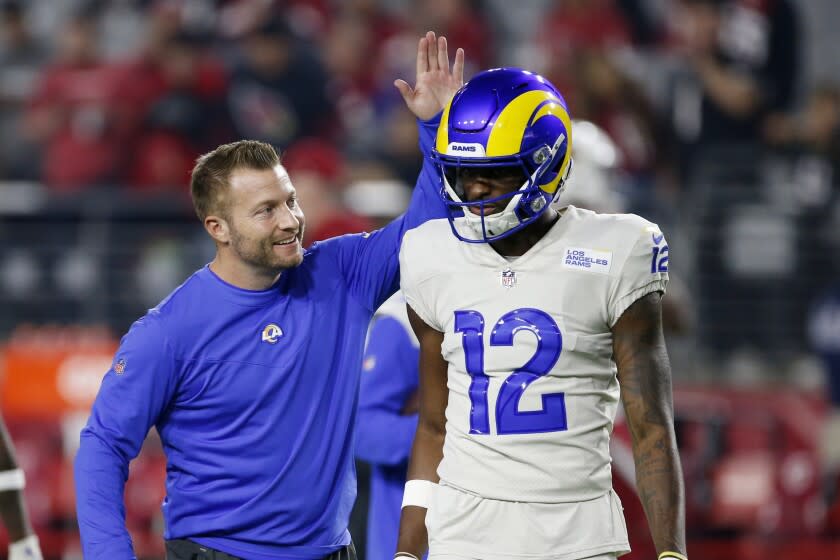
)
(503, 118)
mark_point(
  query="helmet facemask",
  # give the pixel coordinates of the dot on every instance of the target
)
(522, 206)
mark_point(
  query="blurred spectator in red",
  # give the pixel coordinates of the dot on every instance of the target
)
(320, 172)
(314, 155)
(613, 101)
(621, 107)
(574, 26)
(79, 113)
(340, 223)
(278, 87)
(184, 94)
(351, 55)
(462, 23)
(326, 216)
(307, 19)
(21, 57)
(382, 23)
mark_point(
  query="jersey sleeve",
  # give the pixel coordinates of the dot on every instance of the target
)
(389, 377)
(370, 261)
(134, 392)
(413, 283)
(645, 270)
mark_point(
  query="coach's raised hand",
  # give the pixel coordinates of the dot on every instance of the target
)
(436, 82)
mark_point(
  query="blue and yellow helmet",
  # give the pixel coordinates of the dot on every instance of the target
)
(505, 117)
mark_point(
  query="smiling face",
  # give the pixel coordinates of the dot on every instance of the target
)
(265, 222)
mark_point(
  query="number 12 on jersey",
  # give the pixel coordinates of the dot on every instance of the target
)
(509, 420)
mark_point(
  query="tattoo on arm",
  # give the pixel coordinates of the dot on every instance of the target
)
(645, 376)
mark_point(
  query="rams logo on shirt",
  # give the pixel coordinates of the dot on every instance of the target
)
(271, 333)
(119, 367)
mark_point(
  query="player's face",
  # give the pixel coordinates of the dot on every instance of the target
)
(266, 223)
(486, 183)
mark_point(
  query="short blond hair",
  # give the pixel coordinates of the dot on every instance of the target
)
(209, 178)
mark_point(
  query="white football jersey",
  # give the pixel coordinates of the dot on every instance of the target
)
(532, 384)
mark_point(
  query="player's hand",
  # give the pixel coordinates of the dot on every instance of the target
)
(436, 82)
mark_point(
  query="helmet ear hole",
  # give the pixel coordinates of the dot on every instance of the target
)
(539, 156)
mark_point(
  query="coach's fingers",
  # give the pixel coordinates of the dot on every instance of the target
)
(432, 50)
(458, 67)
(442, 54)
(422, 56)
(405, 90)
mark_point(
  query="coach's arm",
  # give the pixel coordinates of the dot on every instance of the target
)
(645, 376)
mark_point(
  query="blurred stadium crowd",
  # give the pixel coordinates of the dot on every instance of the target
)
(724, 116)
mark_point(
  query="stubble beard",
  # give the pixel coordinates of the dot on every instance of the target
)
(260, 254)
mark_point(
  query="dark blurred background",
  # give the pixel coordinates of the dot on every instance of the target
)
(724, 120)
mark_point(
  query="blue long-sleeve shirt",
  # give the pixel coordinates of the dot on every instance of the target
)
(253, 394)
(384, 431)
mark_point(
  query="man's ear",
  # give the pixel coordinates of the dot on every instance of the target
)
(218, 228)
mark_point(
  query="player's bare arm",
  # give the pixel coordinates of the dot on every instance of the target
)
(427, 451)
(645, 376)
(436, 82)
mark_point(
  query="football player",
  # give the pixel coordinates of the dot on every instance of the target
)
(23, 542)
(528, 318)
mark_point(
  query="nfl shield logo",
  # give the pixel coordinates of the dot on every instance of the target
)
(508, 278)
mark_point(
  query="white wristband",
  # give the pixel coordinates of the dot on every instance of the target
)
(418, 493)
(670, 555)
(405, 555)
(25, 549)
(12, 480)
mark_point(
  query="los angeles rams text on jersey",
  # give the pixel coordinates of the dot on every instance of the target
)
(532, 385)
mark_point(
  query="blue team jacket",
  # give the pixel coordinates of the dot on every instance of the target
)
(254, 397)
